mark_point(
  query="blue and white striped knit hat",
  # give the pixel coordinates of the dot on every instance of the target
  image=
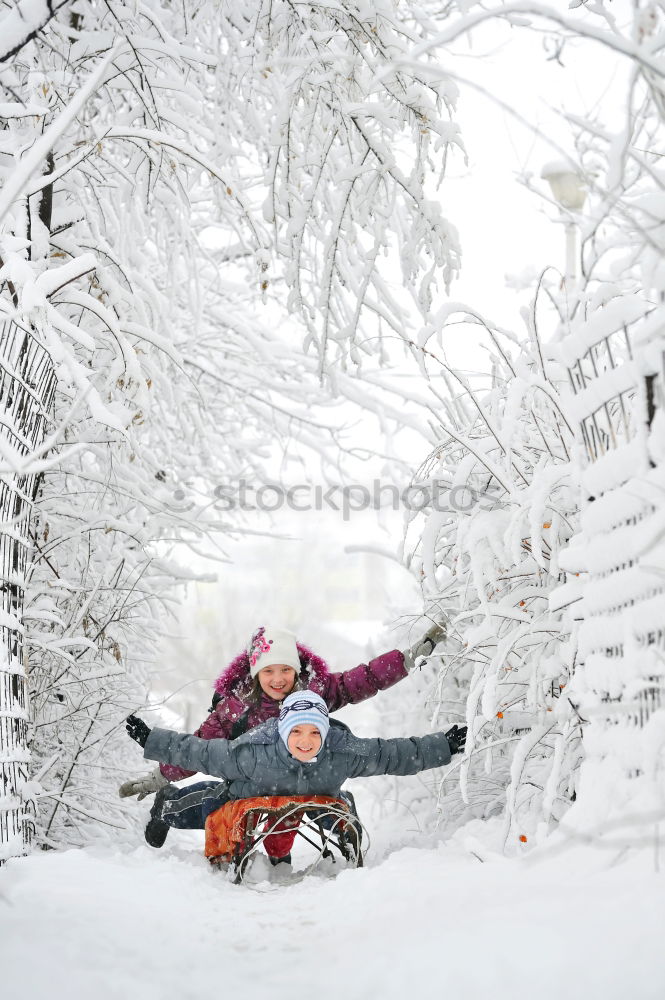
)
(303, 708)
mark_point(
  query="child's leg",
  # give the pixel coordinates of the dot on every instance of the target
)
(188, 808)
(279, 844)
(184, 808)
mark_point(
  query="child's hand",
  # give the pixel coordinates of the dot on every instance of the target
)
(137, 729)
(425, 646)
(456, 739)
(141, 787)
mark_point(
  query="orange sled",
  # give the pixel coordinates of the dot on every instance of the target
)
(237, 829)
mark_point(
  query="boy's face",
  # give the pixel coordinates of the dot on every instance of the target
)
(304, 742)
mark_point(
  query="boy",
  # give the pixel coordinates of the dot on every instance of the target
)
(299, 753)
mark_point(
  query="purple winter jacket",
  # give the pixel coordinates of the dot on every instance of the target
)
(337, 690)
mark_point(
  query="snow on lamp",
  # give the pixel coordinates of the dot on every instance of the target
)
(567, 185)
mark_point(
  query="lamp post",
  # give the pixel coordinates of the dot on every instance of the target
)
(569, 193)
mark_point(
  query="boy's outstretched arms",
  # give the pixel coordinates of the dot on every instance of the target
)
(407, 756)
(260, 765)
(208, 756)
(191, 752)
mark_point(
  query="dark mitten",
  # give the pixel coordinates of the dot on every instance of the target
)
(456, 739)
(137, 729)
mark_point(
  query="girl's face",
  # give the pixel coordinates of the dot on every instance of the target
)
(277, 680)
(304, 742)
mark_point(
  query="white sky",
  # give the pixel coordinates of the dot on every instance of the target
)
(505, 229)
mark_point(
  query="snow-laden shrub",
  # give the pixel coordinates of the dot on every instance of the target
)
(515, 568)
(502, 502)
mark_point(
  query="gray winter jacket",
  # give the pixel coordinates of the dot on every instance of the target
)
(259, 763)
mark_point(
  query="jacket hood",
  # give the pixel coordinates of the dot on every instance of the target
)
(235, 680)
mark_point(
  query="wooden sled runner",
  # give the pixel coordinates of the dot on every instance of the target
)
(235, 832)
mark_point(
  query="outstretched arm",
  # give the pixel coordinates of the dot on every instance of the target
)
(348, 687)
(351, 686)
(402, 756)
(218, 725)
(213, 757)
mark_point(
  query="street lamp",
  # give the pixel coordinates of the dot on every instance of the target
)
(569, 193)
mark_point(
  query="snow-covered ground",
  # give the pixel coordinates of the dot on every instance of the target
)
(423, 919)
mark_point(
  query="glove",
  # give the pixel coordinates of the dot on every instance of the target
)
(137, 729)
(146, 785)
(456, 739)
(425, 646)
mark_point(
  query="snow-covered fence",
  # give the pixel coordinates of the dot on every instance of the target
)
(27, 385)
(616, 362)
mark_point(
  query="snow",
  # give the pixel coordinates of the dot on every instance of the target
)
(613, 469)
(18, 24)
(554, 168)
(616, 314)
(425, 918)
(610, 385)
(33, 161)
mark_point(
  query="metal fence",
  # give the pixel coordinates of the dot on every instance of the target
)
(619, 387)
(27, 389)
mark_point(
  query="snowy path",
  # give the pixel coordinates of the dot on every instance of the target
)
(428, 922)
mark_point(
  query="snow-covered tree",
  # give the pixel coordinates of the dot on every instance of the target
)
(565, 497)
(501, 504)
(168, 175)
(90, 208)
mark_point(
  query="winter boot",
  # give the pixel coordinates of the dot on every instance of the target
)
(286, 860)
(157, 829)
